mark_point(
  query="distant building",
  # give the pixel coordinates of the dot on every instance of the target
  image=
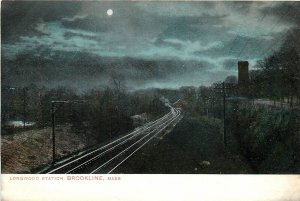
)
(243, 73)
(243, 78)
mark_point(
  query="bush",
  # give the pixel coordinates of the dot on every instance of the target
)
(263, 136)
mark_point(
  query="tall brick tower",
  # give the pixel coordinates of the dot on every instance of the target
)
(243, 79)
(243, 73)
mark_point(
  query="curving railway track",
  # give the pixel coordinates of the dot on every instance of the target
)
(107, 158)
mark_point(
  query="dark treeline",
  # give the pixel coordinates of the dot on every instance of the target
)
(278, 76)
(103, 113)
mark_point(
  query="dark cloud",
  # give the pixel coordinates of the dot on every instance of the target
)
(70, 35)
(230, 64)
(242, 46)
(79, 68)
(160, 43)
(243, 7)
(20, 18)
(193, 28)
(90, 23)
(286, 11)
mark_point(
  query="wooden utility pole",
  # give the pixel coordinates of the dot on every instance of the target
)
(223, 91)
(53, 111)
(24, 106)
(53, 131)
(224, 114)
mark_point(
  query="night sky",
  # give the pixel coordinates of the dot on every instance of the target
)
(216, 34)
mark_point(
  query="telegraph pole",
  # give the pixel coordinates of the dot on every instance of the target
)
(10, 103)
(224, 114)
(24, 106)
(53, 111)
(223, 91)
(53, 130)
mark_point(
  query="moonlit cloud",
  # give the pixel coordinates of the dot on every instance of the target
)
(216, 33)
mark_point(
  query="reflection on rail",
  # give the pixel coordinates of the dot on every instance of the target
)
(107, 158)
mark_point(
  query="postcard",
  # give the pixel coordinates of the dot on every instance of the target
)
(150, 100)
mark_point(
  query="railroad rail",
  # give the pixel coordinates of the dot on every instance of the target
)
(107, 158)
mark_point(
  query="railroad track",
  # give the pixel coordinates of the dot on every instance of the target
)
(107, 158)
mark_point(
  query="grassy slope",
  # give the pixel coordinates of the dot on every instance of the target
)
(25, 151)
(184, 149)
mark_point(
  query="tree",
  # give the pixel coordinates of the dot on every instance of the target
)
(279, 74)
